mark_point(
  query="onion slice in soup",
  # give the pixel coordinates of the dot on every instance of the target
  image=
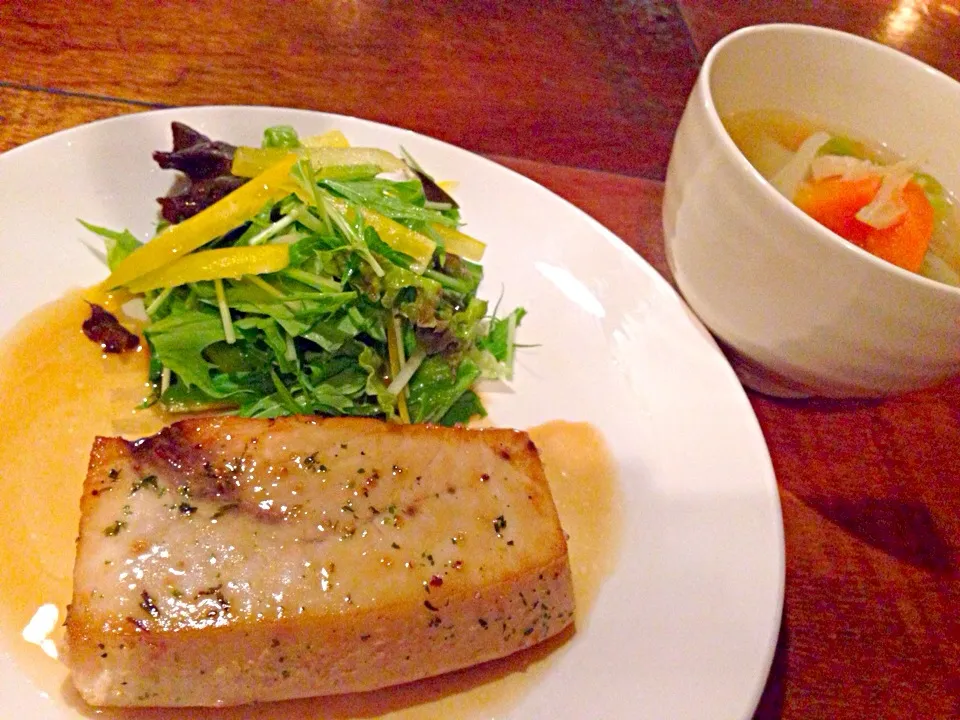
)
(793, 173)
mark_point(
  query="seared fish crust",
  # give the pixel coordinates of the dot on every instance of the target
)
(229, 560)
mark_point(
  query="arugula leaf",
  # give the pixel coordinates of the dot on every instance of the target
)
(463, 409)
(180, 397)
(274, 337)
(465, 325)
(285, 397)
(268, 406)
(497, 339)
(304, 309)
(241, 357)
(436, 387)
(329, 398)
(117, 244)
(280, 136)
(375, 384)
(178, 341)
(373, 194)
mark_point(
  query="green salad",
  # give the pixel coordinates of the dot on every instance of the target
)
(307, 276)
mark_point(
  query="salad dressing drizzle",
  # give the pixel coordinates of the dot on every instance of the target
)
(57, 391)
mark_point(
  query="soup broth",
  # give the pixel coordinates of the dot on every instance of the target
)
(772, 139)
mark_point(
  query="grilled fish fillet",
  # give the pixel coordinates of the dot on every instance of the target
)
(228, 560)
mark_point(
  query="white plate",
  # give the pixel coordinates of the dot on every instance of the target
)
(686, 625)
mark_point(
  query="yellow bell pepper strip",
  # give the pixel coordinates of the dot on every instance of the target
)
(459, 243)
(399, 237)
(249, 161)
(331, 138)
(224, 215)
(325, 156)
(219, 264)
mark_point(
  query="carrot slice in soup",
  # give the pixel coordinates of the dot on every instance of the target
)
(905, 243)
(834, 202)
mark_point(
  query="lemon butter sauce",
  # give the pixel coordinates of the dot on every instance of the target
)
(58, 391)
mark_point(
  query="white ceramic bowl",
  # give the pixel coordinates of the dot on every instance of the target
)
(802, 311)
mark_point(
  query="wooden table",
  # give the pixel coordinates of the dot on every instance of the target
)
(584, 97)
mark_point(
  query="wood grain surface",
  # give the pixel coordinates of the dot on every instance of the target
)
(575, 83)
(926, 29)
(584, 97)
(27, 115)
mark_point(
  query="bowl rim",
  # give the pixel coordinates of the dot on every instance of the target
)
(704, 87)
